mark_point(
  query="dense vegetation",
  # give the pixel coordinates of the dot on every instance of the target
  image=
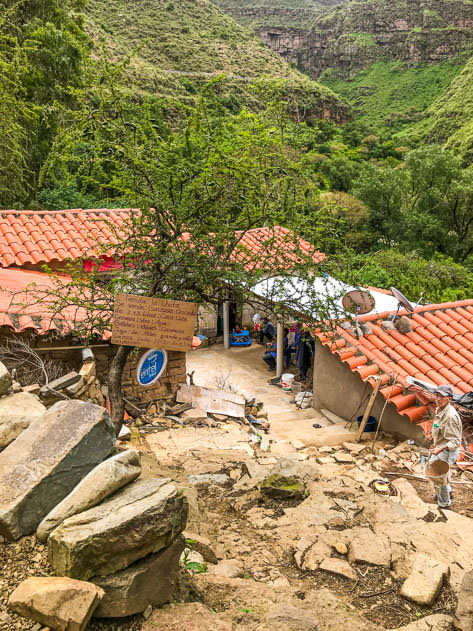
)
(387, 209)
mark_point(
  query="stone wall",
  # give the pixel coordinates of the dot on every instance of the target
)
(55, 349)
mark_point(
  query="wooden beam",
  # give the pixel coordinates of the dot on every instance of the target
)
(364, 420)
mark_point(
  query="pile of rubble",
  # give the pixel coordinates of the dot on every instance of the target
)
(21, 406)
(199, 408)
(113, 540)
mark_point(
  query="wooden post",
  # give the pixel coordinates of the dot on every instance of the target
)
(364, 420)
(280, 350)
(226, 325)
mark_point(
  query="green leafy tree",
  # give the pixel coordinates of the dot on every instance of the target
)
(42, 47)
(439, 279)
(382, 189)
(425, 203)
(199, 187)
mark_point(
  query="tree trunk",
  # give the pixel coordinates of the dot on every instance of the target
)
(117, 404)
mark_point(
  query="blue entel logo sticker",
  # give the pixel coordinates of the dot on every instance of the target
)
(151, 366)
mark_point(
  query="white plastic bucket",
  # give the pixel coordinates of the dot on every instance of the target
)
(286, 381)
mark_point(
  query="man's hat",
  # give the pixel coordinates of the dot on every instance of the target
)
(444, 390)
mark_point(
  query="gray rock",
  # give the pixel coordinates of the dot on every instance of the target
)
(149, 582)
(142, 518)
(105, 479)
(338, 566)
(229, 568)
(464, 612)
(315, 555)
(370, 548)
(424, 583)
(61, 383)
(57, 602)
(435, 622)
(280, 486)
(17, 412)
(5, 379)
(125, 433)
(42, 466)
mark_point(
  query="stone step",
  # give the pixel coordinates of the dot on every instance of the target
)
(292, 413)
(333, 418)
(330, 435)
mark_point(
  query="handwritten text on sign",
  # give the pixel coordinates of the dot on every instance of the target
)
(153, 322)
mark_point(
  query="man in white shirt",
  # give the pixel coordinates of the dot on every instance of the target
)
(447, 437)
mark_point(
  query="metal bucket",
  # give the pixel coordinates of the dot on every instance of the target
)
(437, 472)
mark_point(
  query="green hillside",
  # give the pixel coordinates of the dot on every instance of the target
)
(178, 45)
(389, 95)
(450, 117)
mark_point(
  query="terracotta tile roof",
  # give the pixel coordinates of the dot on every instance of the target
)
(43, 236)
(268, 242)
(438, 350)
(19, 311)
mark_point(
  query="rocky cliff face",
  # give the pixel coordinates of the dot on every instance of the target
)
(264, 14)
(355, 35)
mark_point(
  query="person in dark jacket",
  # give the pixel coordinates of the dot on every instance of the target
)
(304, 352)
(267, 330)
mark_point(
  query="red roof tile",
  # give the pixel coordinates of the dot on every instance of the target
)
(19, 311)
(43, 236)
(438, 350)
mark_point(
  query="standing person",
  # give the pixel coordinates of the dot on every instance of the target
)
(267, 330)
(447, 438)
(256, 322)
(304, 353)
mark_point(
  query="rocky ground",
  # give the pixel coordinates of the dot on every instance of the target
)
(337, 555)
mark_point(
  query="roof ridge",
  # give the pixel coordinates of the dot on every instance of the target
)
(466, 302)
(67, 210)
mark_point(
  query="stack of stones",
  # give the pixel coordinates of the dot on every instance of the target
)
(101, 523)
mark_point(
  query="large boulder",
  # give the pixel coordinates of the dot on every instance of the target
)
(105, 479)
(17, 412)
(5, 379)
(142, 518)
(151, 581)
(42, 466)
(60, 603)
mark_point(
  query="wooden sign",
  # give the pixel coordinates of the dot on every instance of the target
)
(153, 322)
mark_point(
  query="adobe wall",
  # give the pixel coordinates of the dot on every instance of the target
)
(338, 389)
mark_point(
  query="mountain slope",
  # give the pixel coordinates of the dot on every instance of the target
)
(450, 117)
(365, 31)
(179, 44)
(263, 14)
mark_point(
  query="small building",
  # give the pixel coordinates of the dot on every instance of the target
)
(32, 239)
(438, 349)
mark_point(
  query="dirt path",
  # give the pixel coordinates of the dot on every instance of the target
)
(245, 369)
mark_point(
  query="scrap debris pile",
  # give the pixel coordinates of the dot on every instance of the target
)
(200, 407)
